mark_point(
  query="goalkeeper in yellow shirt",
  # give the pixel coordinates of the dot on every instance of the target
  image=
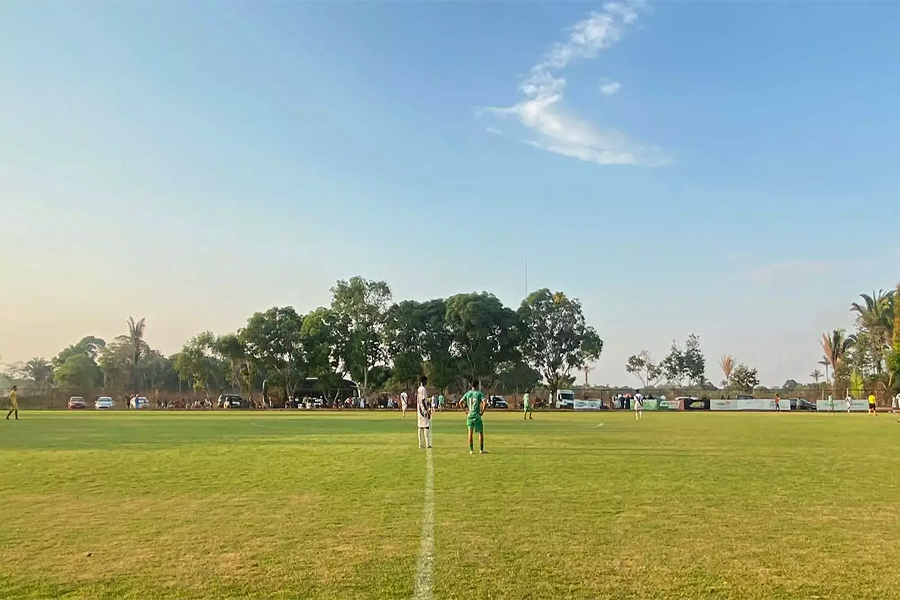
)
(13, 403)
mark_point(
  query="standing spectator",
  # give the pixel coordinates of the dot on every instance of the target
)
(13, 402)
(424, 410)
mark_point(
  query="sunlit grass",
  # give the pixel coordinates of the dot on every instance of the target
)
(327, 505)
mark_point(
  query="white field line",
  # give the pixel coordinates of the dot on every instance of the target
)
(425, 570)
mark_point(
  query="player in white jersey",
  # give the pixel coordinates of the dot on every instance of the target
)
(424, 410)
(638, 405)
(403, 402)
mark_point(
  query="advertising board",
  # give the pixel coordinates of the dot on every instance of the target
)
(588, 405)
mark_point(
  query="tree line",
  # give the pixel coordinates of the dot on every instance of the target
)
(863, 361)
(362, 335)
(365, 336)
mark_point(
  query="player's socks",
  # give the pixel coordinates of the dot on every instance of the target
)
(428, 437)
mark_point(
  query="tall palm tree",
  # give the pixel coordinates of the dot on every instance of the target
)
(835, 346)
(824, 362)
(816, 375)
(727, 364)
(136, 344)
(876, 315)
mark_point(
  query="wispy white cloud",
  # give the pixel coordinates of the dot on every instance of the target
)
(542, 110)
(766, 273)
(492, 129)
(609, 87)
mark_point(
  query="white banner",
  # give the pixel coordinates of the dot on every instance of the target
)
(588, 405)
(841, 405)
(762, 404)
(723, 405)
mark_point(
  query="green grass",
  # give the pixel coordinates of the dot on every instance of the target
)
(326, 505)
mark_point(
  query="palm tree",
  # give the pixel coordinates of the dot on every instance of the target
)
(876, 315)
(835, 346)
(816, 376)
(138, 347)
(39, 370)
(727, 364)
(824, 362)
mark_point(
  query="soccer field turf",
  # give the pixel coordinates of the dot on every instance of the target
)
(329, 505)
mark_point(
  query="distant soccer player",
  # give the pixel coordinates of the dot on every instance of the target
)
(638, 405)
(778, 402)
(404, 399)
(831, 403)
(424, 409)
(526, 400)
(872, 404)
(849, 402)
(473, 402)
(13, 403)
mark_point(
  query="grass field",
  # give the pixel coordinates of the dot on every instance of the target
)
(326, 505)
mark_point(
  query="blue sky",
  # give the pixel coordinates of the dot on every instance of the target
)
(724, 168)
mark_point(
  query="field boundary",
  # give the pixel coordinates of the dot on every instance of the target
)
(425, 569)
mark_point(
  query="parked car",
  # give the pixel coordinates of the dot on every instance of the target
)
(76, 403)
(103, 403)
(232, 401)
(498, 402)
(801, 404)
(139, 402)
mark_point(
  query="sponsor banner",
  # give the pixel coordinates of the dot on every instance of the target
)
(723, 405)
(841, 405)
(762, 404)
(651, 404)
(671, 405)
(696, 404)
(588, 405)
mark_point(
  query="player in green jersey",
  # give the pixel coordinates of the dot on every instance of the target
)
(526, 400)
(473, 403)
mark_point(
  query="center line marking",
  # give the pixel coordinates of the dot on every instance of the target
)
(425, 570)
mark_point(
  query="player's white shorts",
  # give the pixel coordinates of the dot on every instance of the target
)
(424, 422)
(403, 405)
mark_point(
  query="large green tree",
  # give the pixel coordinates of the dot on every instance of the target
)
(78, 372)
(687, 364)
(555, 339)
(320, 339)
(274, 342)
(89, 346)
(198, 364)
(482, 333)
(359, 307)
(744, 378)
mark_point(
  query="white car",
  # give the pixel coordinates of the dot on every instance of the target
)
(103, 403)
(139, 402)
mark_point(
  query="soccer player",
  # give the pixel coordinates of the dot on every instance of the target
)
(473, 402)
(403, 402)
(848, 401)
(440, 402)
(424, 409)
(831, 403)
(872, 404)
(13, 403)
(526, 400)
(638, 405)
(778, 402)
